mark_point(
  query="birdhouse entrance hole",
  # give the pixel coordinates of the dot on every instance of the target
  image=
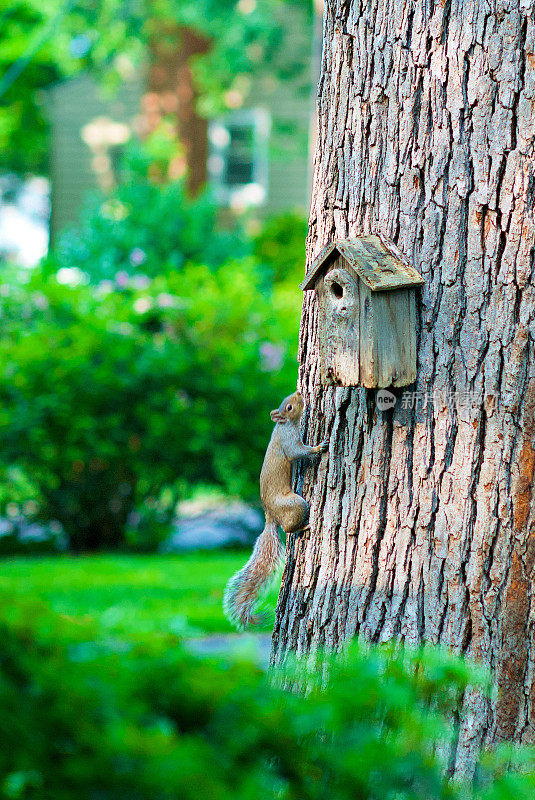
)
(337, 290)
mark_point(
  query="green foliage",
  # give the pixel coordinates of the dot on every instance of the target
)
(156, 723)
(142, 359)
(23, 143)
(148, 229)
(108, 395)
(115, 36)
(281, 245)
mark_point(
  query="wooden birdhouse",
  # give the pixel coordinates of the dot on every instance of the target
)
(366, 313)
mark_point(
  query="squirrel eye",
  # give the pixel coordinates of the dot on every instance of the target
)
(289, 407)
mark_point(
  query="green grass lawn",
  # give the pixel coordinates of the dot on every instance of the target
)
(129, 595)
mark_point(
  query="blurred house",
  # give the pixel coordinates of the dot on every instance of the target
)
(255, 155)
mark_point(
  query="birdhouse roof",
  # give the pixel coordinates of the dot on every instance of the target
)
(377, 262)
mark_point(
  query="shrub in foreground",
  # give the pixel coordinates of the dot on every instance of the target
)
(79, 720)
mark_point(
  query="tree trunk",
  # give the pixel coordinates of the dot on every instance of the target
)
(423, 519)
(172, 93)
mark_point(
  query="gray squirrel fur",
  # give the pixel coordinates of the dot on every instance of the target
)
(282, 506)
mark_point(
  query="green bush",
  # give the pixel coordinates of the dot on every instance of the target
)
(280, 247)
(142, 359)
(110, 394)
(155, 723)
(148, 228)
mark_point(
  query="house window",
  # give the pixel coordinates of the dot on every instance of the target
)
(238, 160)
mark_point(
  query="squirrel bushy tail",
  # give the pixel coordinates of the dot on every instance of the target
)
(245, 585)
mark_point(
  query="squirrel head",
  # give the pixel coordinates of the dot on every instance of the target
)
(290, 409)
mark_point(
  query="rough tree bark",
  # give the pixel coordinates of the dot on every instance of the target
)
(423, 519)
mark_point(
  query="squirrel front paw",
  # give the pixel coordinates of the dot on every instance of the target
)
(323, 446)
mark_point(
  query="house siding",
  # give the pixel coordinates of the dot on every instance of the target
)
(71, 106)
(75, 103)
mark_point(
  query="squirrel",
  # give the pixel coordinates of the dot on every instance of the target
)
(282, 506)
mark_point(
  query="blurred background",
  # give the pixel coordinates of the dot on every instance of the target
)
(155, 164)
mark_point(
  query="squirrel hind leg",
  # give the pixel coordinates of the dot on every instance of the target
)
(292, 512)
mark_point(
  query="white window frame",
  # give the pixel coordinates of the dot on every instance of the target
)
(255, 192)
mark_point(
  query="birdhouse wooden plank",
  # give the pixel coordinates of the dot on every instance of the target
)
(366, 313)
